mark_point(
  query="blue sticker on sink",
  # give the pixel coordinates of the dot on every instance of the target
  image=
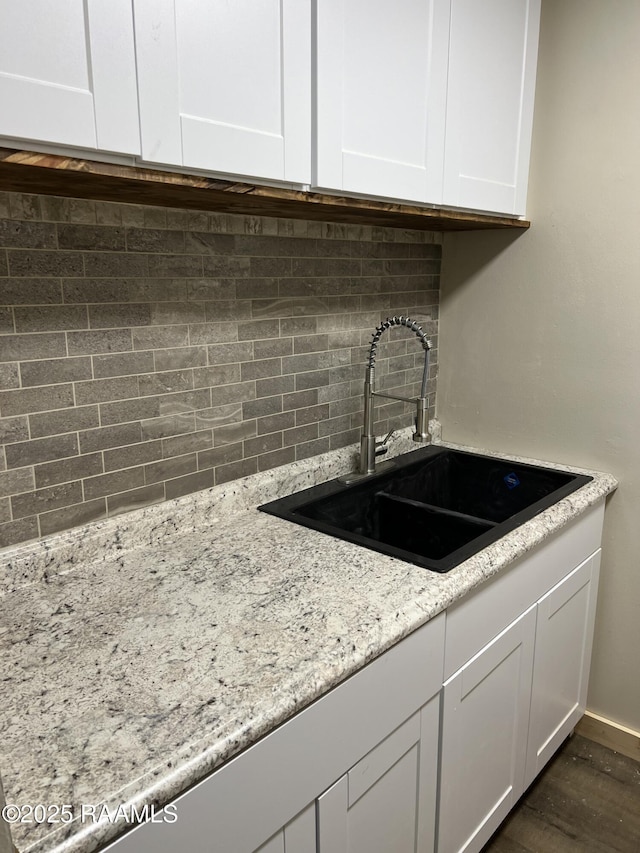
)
(512, 480)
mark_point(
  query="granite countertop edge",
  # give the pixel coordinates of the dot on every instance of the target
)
(425, 598)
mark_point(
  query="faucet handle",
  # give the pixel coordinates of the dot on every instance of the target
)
(381, 446)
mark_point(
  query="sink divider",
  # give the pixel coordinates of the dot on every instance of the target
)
(451, 513)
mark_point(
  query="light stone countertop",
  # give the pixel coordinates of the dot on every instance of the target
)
(140, 653)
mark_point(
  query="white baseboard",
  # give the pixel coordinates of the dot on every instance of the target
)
(610, 734)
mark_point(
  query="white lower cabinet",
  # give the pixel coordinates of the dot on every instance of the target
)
(390, 761)
(484, 727)
(378, 727)
(298, 836)
(387, 801)
(510, 706)
(564, 636)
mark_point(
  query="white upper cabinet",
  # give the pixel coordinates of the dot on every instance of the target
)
(380, 97)
(427, 101)
(490, 92)
(431, 101)
(226, 86)
(67, 73)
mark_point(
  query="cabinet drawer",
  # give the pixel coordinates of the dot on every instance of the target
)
(479, 617)
(280, 775)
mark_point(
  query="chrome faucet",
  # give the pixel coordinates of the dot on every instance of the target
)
(370, 448)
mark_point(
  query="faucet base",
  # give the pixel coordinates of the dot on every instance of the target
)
(422, 420)
(355, 476)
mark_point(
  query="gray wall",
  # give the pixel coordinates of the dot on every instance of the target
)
(541, 333)
(146, 352)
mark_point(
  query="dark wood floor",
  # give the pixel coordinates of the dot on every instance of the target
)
(587, 800)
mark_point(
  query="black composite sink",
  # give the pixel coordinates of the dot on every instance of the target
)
(435, 508)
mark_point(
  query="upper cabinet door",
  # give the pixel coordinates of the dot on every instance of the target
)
(492, 68)
(380, 97)
(226, 86)
(67, 73)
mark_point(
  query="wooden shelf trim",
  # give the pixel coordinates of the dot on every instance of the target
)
(51, 174)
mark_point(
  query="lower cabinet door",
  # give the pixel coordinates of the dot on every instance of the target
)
(485, 718)
(564, 637)
(298, 836)
(387, 802)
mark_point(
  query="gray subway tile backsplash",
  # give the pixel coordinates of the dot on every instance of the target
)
(5, 510)
(98, 341)
(64, 470)
(70, 516)
(19, 531)
(50, 318)
(23, 234)
(70, 420)
(38, 450)
(16, 482)
(24, 400)
(49, 498)
(135, 498)
(146, 353)
(31, 262)
(93, 237)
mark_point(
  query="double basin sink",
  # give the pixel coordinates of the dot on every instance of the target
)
(435, 508)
